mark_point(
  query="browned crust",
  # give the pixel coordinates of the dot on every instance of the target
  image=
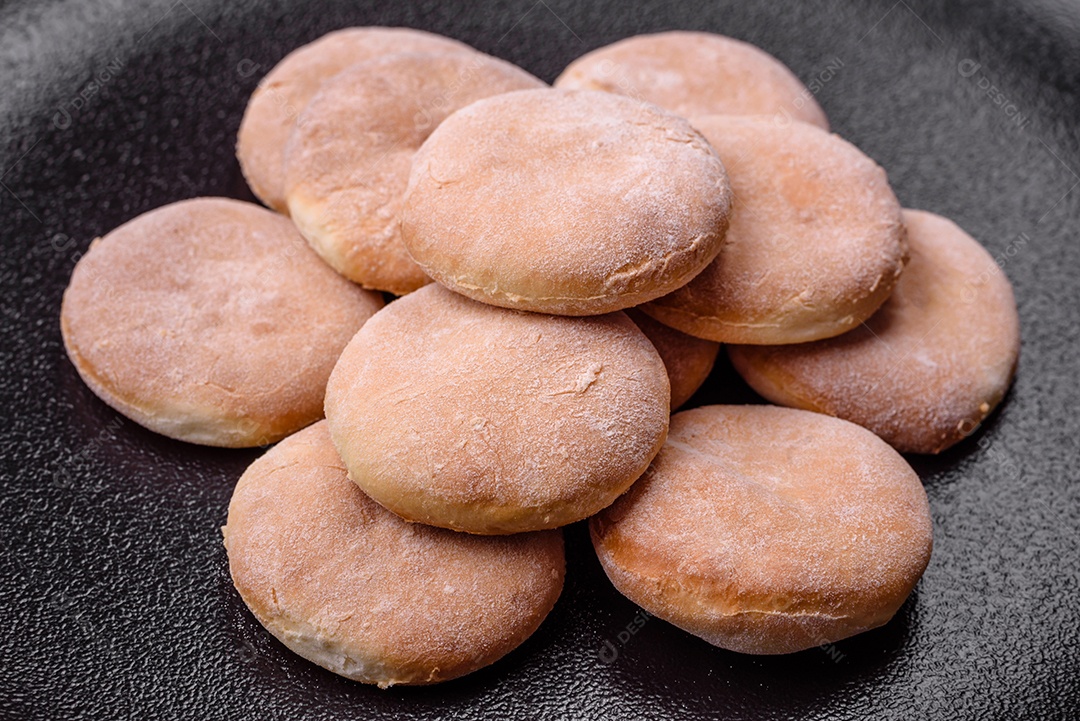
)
(347, 162)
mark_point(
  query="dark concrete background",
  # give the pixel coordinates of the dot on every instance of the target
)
(113, 581)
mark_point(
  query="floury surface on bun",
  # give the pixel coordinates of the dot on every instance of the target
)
(768, 530)
(282, 95)
(487, 420)
(353, 588)
(210, 321)
(928, 367)
(694, 74)
(816, 241)
(347, 161)
(565, 202)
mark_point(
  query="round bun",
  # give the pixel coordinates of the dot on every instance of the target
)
(816, 241)
(486, 420)
(353, 588)
(565, 202)
(928, 367)
(283, 94)
(688, 360)
(694, 74)
(210, 321)
(768, 530)
(347, 162)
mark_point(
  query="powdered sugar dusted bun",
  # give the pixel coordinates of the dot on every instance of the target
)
(486, 420)
(928, 367)
(210, 321)
(688, 360)
(816, 241)
(350, 586)
(283, 94)
(693, 74)
(565, 202)
(347, 162)
(768, 530)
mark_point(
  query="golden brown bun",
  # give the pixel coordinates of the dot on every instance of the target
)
(350, 586)
(565, 202)
(693, 74)
(768, 530)
(210, 321)
(928, 367)
(283, 94)
(688, 360)
(486, 420)
(816, 241)
(347, 161)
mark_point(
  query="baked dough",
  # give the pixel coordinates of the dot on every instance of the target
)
(210, 321)
(928, 367)
(688, 360)
(347, 162)
(565, 202)
(816, 241)
(694, 74)
(486, 420)
(282, 95)
(768, 530)
(353, 588)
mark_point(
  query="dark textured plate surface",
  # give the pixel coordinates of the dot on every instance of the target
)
(114, 589)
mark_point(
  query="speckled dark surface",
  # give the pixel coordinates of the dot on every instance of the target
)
(114, 591)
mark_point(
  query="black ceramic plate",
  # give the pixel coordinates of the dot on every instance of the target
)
(114, 590)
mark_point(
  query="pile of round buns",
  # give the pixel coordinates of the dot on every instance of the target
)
(592, 245)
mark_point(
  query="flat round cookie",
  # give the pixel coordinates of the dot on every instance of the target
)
(481, 419)
(275, 106)
(815, 245)
(768, 530)
(353, 588)
(694, 74)
(565, 202)
(210, 321)
(347, 161)
(928, 367)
